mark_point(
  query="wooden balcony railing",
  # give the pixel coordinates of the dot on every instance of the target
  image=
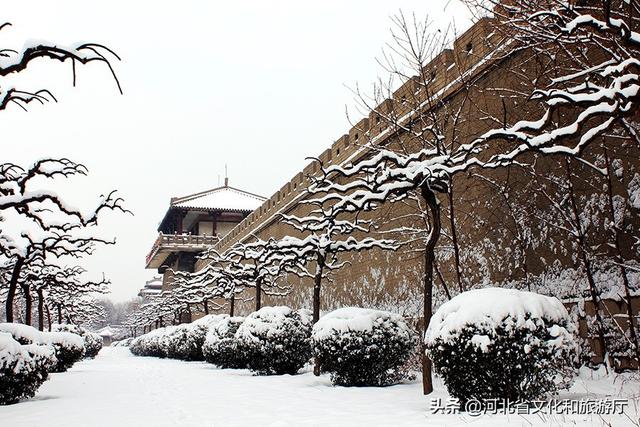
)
(181, 242)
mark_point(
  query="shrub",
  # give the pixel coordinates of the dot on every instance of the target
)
(275, 340)
(122, 343)
(92, 341)
(24, 334)
(503, 344)
(221, 346)
(92, 344)
(362, 347)
(155, 343)
(69, 349)
(178, 345)
(23, 368)
(186, 341)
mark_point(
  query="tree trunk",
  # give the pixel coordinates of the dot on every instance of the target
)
(40, 309)
(206, 306)
(317, 285)
(13, 286)
(28, 303)
(454, 239)
(429, 258)
(258, 294)
(59, 314)
(49, 316)
(232, 304)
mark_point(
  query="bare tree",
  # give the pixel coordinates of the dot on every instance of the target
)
(57, 232)
(14, 62)
(327, 236)
(384, 175)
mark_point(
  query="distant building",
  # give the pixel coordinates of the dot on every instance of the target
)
(195, 223)
(107, 335)
(151, 288)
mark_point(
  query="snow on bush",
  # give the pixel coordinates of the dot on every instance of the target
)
(362, 347)
(92, 341)
(178, 345)
(186, 341)
(275, 340)
(221, 346)
(24, 334)
(154, 343)
(499, 343)
(69, 348)
(92, 344)
(122, 343)
(23, 368)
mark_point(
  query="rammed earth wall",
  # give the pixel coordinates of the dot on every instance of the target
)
(479, 82)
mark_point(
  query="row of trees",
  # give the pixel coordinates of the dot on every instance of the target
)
(550, 145)
(39, 230)
(263, 265)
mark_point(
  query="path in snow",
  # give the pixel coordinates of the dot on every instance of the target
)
(118, 389)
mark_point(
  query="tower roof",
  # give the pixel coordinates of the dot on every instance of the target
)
(220, 199)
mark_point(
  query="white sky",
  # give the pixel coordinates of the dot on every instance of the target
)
(258, 85)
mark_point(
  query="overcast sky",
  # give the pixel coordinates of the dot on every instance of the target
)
(257, 85)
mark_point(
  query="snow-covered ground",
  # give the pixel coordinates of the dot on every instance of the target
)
(118, 389)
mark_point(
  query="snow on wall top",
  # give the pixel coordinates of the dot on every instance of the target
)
(222, 198)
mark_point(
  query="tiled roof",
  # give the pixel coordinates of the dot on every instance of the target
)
(222, 198)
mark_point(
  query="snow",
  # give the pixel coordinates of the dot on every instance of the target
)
(483, 342)
(66, 339)
(25, 333)
(267, 320)
(223, 198)
(11, 352)
(355, 319)
(106, 332)
(118, 389)
(489, 306)
(634, 191)
(209, 320)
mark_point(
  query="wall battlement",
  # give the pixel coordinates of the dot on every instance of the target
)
(440, 78)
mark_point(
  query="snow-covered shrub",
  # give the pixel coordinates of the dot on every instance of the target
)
(23, 368)
(92, 344)
(275, 340)
(122, 343)
(155, 343)
(185, 343)
(92, 341)
(362, 347)
(69, 349)
(136, 346)
(178, 344)
(221, 346)
(498, 343)
(24, 334)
